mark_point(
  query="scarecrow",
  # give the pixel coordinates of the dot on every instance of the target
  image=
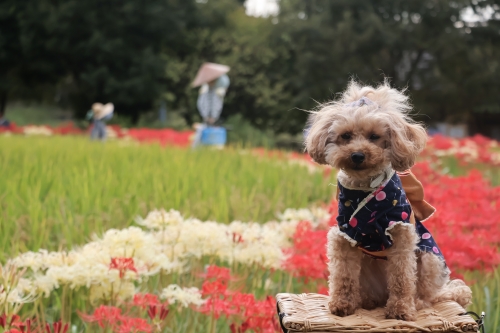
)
(99, 114)
(213, 83)
(4, 122)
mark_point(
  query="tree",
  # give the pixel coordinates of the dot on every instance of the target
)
(135, 54)
(9, 48)
(257, 87)
(422, 45)
(100, 50)
(195, 46)
(257, 92)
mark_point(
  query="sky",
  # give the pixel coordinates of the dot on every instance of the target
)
(270, 7)
(261, 7)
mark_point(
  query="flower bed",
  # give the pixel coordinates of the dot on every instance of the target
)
(475, 149)
(115, 267)
(162, 136)
(170, 273)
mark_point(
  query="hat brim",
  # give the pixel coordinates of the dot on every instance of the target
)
(101, 111)
(209, 72)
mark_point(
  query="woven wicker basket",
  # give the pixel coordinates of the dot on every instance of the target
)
(310, 313)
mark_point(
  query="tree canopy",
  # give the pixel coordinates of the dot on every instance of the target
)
(136, 54)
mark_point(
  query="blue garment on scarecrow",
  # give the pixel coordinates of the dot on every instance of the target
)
(385, 206)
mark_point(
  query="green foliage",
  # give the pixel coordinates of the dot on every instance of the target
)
(101, 50)
(257, 90)
(58, 191)
(137, 54)
(34, 114)
(421, 45)
(242, 133)
(486, 293)
(19, 72)
(174, 120)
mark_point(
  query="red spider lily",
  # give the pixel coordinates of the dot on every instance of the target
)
(133, 325)
(244, 302)
(12, 128)
(162, 136)
(240, 328)
(67, 129)
(164, 312)
(26, 327)
(261, 316)
(214, 288)
(307, 258)
(123, 265)
(15, 321)
(221, 274)
(464, 225)
(323, 290)
(258, 316)
(218, 307)
(17, 326)
(440, 142)
(237, 238)
(104, 316)
(145, 300)
(479, 149)
(3, 320)
(57, 327)
(153, 311)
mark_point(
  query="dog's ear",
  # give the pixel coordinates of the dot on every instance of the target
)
(315, 142)
(407, 140)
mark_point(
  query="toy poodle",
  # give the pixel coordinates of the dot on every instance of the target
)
(380, 254)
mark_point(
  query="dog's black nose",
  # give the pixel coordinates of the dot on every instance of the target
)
(357, 158)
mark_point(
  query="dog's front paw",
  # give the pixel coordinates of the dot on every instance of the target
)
(401, 310)
(342, 306)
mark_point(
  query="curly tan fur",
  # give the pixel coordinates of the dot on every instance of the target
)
(455, 290)
(401, 139)
(382, 131)
(344, 265)
(402, 273)
(432, 276)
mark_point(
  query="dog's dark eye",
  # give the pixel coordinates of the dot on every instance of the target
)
(374, 137)
(346, 136)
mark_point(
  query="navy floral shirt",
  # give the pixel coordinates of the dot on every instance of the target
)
(367, 217)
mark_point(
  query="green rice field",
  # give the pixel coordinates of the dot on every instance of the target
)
(56, 192)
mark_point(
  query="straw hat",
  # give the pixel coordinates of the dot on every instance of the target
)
(209, 72)
(101, 111)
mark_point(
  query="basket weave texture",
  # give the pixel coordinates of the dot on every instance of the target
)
(310, 313)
